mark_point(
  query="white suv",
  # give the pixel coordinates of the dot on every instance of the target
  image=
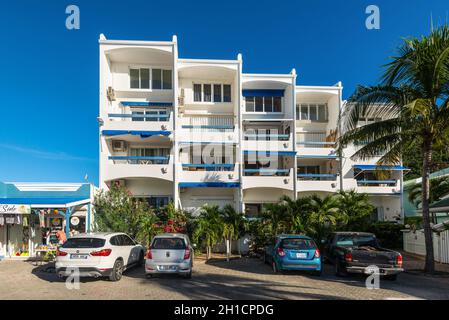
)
(99, 255)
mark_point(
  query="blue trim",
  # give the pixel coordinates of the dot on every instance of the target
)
(137, 158)
(269, 153)
(37, 201)
(212, 165)
(376, 181)
(146, 104)
(375, 167)
(263, 93)
(302, 156)
(312, 175)
(206, 142)
(316, 142)
(142, 134)
(67, 221)
(209, 184)
(140, 116)
(206, 127)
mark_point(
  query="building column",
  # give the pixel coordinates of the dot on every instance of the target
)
(67, 221)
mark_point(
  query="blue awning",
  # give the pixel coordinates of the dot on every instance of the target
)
(146, 104)
(209, 184)
(40, 201)
(142, 134)
(375, 167)
(269, 153)
(310, 156)
(263, 93)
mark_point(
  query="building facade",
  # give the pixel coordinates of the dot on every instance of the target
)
(196, 131)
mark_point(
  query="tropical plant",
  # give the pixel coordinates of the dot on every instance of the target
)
(234, 224)
(438, 187)
(324, 215)
(412, 101)
(209, 228)
(355, 210)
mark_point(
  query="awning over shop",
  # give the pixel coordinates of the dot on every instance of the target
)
(365, 167)
(142, 134)
(263, 93)
(146, 104)
(269, 153)
(209, 184)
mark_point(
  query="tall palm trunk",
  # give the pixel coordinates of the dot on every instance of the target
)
(427, 158)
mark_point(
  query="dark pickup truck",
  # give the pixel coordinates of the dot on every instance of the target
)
(354, 252)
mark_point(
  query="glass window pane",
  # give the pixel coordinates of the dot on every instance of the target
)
(144, 78)
(304, 112)
(137, 113)
(322, 114)
(277, 104)
(217, 92)
(134, 78)
(249, 101)
(259, 104)
(268, 104)
(157, 79)
(226, 93)
(197, 92)
(313, 113)
(167, 79)
(207, 92)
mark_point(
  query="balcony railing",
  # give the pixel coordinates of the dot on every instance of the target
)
(266, 137)
(263, 172)
(140, 117)
(208, 167)
(139, 160)
(315, 140)
(317, 177)
(376, 183)
(211, 128)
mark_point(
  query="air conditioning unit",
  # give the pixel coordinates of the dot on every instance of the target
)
(111, 94)
(231, 176)
(164, 127)
(118, 145)
(164, 170)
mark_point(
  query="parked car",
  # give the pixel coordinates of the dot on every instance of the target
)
(293, 252)
(354, 252)
(99, 255)
(170, 253)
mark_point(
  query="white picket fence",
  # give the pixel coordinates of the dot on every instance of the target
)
(414, 243)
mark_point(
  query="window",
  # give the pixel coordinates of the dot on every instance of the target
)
(263, 104)
(146, 78)
(211, 92)
(168, 244)
(81, 243)
(217, 92)
(136, 112)
(197, 92)
(312, 112)
(226, 93)
(309, 169)
(207, 93)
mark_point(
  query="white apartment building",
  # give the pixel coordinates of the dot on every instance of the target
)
(197, 131)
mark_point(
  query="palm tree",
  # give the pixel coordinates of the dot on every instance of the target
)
(209, 227)
(413, 102)
(438, 187)
(233, 225)
(277, 216)
(324, 215)
(355, 210)
(297, 212)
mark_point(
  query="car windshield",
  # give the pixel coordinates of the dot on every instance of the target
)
(356, 240)
(298, 244)
(168, 243)
(84, 243)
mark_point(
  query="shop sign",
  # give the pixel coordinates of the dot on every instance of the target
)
(75, 221)
(15, 209)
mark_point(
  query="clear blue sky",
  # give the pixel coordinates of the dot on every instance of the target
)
(49, 75)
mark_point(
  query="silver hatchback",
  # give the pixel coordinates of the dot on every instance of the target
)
(170, 253)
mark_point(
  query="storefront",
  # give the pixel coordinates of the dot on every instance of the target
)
(37, 217)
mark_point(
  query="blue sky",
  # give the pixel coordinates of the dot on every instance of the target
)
(49, 78)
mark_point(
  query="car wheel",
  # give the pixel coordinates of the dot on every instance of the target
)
(391, 277)
(148, 276)
(141, 260)
(117, 271)
(189, 275)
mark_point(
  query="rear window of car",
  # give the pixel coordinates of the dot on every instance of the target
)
(356, 241)
(74, 243)
(168, 243)
(298, 244)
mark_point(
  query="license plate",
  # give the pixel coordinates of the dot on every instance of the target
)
(166, 268)
(79, 256)
(301, 255)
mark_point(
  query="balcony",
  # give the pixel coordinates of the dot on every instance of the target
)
(268, 178)
(207, 129)
(315, 144)
(120, 167)
(326, 182)
(227, 173)
(270, 141)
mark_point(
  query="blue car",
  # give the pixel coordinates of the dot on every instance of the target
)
(293, 252)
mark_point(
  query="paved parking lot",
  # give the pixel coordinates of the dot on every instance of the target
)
(246, 278)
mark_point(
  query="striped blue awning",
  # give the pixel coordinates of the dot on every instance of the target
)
(263, 93)
(146, 104)
(375, 167)
(142, 134)
(209, 184)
